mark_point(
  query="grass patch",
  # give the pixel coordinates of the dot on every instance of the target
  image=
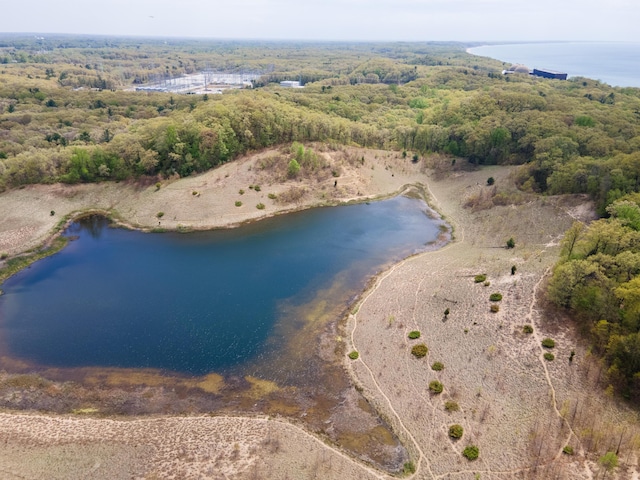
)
(419, 350)
(414, 334)
(437, 366)
(436, 387)
(548, 343)
(15, 264)
(495, 297)
(471, 452)
(354, 355)
(238, 203)
(568, 450)
(260, 206)
(479, 278)
(272, 196)
(549, 357)
(527, 329)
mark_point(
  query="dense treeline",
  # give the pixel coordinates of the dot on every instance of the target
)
(577, 136)
(598, 279)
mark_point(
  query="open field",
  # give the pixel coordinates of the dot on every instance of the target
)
(519, 409)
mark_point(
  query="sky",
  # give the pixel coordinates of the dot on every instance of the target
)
(359, 20)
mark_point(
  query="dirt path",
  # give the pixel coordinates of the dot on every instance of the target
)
(508, 397)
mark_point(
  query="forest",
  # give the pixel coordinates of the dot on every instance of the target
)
(69, 113)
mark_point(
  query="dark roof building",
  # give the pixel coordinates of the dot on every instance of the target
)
(538, 72)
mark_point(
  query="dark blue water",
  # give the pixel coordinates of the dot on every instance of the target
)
(197, 302)
(615, 63)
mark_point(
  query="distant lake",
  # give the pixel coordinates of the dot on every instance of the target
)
(203, 301)
(615, 63)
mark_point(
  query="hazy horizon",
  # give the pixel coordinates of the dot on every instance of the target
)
(346, 20)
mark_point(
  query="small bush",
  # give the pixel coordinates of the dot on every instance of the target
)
(52, 213)
(479, 278)
(456, 431)
(419, 350)
(414, 334)
(451, 406)
(4, 256)
(238, 203)
(437, 366)
(495, 297)
(491, 181)
(272, 196)
(241, 192)
(409, 468)
(495, 308)
(257, 188)
(471, 452)
(568, 450)
(549, 357)
(446, 312)
(354, 355)
(194, 193)
(260, 206)
(527, 329)
(548, 343)
(160, 214)
(513, 269)
(435, 386)
(511, 243)
(158, 185)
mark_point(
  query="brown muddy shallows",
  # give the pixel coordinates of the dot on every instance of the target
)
(315, 390)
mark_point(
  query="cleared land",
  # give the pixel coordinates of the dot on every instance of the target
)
(519, 409)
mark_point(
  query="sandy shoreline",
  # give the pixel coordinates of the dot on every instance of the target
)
(513, 405)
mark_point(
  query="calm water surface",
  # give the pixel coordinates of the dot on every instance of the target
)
(199, 302)
(615, 63)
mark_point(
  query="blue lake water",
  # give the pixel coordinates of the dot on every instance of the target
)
(615, 63)
(203, 301)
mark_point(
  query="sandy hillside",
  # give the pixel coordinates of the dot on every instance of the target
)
(519, 409)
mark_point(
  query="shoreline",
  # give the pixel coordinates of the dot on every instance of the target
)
(512, 404)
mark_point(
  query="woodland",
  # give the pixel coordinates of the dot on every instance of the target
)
(69, 113)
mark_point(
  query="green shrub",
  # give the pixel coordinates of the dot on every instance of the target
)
(160, 214)
(158, 185)
(437, 366)
(241, 192)
(456, 431)
(471, 452)
(491, 181)
(272, 196)
(446, 312)
(495, 308)
(257, 188)
(419, 350)
(260, 206)
(568, 449)
(238, 203)
(194, 193)
(435, 386)
(52, 213)
(548, 343)
(414, 334)
(409, 468)
(354, 355)
(451, 406)
(527, 329)
(495, 297)
(549, 357)
(511, 243)
(479, 278)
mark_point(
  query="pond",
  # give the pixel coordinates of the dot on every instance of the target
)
(227, 301)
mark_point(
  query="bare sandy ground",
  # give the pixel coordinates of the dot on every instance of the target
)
(519, 409)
